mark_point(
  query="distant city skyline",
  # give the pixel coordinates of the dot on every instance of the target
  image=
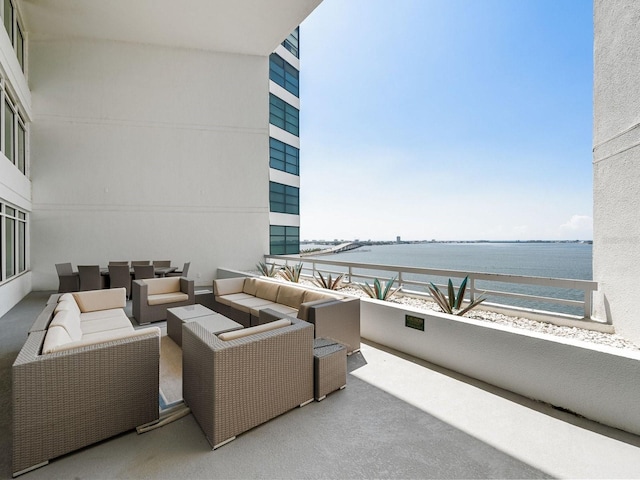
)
(447, 120)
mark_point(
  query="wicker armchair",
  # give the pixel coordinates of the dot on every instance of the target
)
(151, 298)
(232, 386)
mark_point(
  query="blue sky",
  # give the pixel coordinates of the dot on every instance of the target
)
(447, 120)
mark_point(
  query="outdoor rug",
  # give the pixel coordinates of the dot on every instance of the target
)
(172, 405)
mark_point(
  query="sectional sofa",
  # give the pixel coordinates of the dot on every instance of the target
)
(83, 375)
(255, 300)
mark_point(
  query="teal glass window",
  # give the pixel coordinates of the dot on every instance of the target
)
(284, 157)
(284, 240)
(292, 42)
(284, 74)
(284, 198)
(283, 115)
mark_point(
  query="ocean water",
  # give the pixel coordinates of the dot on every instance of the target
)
(548, 260)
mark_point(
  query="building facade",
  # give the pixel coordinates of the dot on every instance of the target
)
(137, 130)
(616, 164)
(284, 147)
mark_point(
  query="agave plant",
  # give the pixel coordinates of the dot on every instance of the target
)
(377, 291)
(452, 304)
(268, 270)
(292, 272)
(329, 283)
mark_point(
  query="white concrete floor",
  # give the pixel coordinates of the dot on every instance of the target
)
(557, 443)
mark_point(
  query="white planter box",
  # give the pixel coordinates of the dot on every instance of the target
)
(598, 382)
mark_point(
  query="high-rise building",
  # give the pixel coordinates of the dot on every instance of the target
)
(284, 147)
(146, 130)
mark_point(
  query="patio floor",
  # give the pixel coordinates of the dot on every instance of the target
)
(399, 417)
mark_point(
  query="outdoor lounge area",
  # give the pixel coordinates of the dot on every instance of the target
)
(398, 418)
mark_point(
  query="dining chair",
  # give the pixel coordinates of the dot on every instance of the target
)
(68, 280)
(143, 271)
(180, 273)
(162, 263)
(119, 263)
(90, 278)
(120, 276)
(140, 262)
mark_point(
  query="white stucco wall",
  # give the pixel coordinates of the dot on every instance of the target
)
(616, 164)
(145, 152)
(598, 382)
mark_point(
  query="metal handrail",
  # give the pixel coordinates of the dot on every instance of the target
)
(586, 286)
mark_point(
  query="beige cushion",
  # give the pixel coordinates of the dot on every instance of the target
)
(267, 290)
(290, 296)
(94, 338)
(284, 309)
(100, 314)
(65, 296)
(70, 305)
(250, 286)
(249, 303)
(54, 339)
(106, 335)
(225, 286)
(234, 297)
(101, 299)
(312, 296)
(158, 286)
(104, 324)
(244, 332)
(70, 321)
(162, 298)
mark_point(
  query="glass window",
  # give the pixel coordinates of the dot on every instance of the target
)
(7, 13)
(8, 130)
(284, 74)
(284, 240)
(22, 242)
(21, 148)
(292, 42)
(13, 232)
(10, 233)
(283, 115)
(284, 198)
(20, 46)
(284, 157)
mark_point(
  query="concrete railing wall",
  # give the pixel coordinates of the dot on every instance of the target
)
(597, 382)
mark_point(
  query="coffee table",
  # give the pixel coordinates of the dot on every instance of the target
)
(212, 321)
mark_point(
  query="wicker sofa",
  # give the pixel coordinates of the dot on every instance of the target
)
(73, 381)
(150, 298)
(235, 381)
(255, 300)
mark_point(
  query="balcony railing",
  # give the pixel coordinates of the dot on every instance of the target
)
(553, 295)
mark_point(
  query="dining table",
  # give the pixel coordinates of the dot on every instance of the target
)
(158, 271)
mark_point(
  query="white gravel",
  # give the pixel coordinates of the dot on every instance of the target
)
(609, 339)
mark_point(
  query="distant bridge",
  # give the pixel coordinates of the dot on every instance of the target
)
(343, 247)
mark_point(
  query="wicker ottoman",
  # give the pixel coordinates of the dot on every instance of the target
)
(329, 367)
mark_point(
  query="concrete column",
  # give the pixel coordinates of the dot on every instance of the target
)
(616, 164)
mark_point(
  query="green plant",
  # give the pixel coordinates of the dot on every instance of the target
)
(452, 304)
(268, 270)
(377, 291)
(328, 282)
(292, 272)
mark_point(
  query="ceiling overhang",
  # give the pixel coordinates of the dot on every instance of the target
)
(251, 27)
